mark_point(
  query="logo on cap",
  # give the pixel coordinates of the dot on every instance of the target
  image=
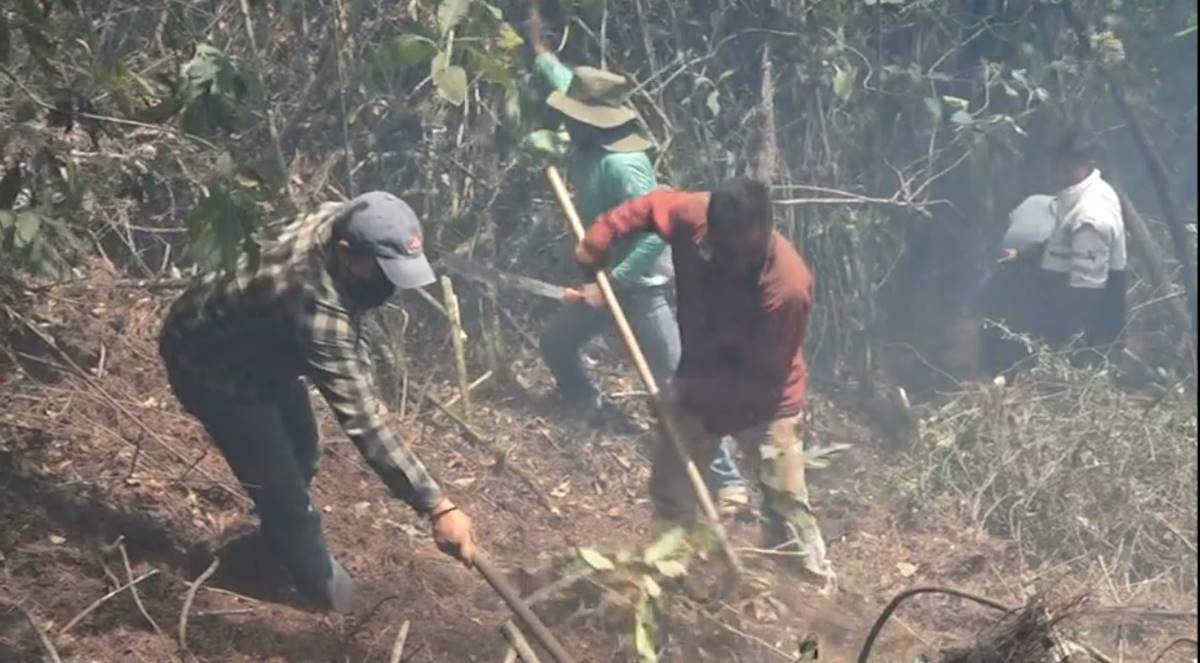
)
(414, 243)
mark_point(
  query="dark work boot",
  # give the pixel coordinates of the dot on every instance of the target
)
(334, 592)
(340, 589)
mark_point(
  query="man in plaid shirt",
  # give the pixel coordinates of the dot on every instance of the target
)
(237, 344)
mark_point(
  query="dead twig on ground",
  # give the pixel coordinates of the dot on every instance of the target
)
(471, 387)
(100, 601)
(1174, 643)
(51, 653)
(517, 640)
(190, 597)
(401, 638)
(133, 590)
(457, 336)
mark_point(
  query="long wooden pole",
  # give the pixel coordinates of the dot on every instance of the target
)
(668, 423)
(539, 631)
(460, 350)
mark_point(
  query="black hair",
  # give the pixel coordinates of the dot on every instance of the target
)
(1076, 146)
(740, 202)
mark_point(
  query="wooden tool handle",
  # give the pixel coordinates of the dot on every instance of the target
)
(670, 427)
(506, 591)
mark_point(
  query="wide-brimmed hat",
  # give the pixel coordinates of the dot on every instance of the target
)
(600, 99)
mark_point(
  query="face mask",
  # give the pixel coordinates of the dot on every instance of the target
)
(370, 294)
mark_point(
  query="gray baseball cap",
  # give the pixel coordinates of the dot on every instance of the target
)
(384, 226)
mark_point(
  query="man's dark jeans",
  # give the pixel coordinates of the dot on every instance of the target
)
(653, 322)
(272, 448)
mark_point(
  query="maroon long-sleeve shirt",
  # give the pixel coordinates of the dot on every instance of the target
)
(743, 359)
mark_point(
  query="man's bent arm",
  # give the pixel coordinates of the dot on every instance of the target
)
(343, 378)
(670, 214)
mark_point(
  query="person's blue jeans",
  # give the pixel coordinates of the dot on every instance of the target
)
(654, 323)
(272, 447)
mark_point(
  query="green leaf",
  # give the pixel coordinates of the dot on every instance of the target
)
(224, 166)
(934, 106)
(28, 224)
(843, 82)
(495, 11)
(594, 559)
(713, 102)
(957, 103)
(493, 69)
(450, 12)
(670, 568)
(546, 142)
(819, 457)
(7, 219)
(401, 53)
(508, 38)
(670, 544)
(650, 585)
(644, 629)
(1191, 29)
(451, 84)
(962, 118)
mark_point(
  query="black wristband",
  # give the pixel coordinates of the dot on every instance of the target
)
(434, 518)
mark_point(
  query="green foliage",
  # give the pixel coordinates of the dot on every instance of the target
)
(41, 243)
(212, 86)
(400, 55)
(222, 227)
(451, 80)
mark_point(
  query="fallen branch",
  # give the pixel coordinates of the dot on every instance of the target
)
(100, 601)
(190, 597)
(518, 642)
(457, 338)
(43, 637)
(133, 591)
(471, 387)
(865, 653)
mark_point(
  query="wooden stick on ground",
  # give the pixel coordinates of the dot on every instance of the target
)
(401, 638)
(457, 338)
(519, 645)
(100, 601)
(536, 628)
(51, 652)
(669, 425)
(190, 597)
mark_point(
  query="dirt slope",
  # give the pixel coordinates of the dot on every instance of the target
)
(102, 462)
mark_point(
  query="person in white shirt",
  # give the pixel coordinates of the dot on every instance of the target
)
(1083, 259)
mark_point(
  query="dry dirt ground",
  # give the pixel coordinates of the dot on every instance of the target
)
(103, 481)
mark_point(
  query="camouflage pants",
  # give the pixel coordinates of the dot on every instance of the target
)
(774, 455)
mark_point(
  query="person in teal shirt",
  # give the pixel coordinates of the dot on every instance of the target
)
(607, 165)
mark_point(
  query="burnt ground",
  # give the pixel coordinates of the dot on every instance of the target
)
(97, 461)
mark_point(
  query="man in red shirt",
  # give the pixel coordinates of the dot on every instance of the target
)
(744, 297)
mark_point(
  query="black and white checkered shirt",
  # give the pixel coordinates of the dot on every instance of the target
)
(259, 327)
